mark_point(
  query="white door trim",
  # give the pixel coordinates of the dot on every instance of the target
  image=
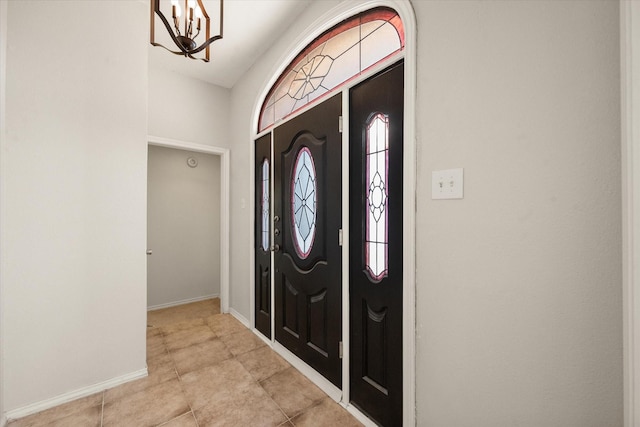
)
(630, 109)
(224, 204)
(343, 11)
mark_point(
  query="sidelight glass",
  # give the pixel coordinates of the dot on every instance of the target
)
(376, 207)
(303, 202)
(265, 205)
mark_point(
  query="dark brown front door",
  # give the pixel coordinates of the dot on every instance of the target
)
(376, 251)
(307, 220)
(263, 167)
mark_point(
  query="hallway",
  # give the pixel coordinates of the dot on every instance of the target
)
(205, 369)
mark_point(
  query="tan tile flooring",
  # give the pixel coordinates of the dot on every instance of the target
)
(205, 369)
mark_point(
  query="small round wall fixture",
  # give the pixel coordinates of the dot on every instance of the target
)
(192, 162)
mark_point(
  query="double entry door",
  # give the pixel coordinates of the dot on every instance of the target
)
(299, 241)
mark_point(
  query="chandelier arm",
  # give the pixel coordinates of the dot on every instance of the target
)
(188, 55)
(204, 45)
(198, 59)
(168, 26)
(177, 26)
(175, 52)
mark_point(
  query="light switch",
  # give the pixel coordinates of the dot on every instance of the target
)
(447, 184)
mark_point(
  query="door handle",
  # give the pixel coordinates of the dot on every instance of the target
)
(149, 252)
(275, 248)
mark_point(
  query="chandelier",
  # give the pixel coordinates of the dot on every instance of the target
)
(189, 28)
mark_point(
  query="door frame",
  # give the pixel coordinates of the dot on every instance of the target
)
(223, 153)
(630, 132)
(334, 16)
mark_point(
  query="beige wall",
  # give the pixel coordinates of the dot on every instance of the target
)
(74, 197)
(518, 299)
(183, 226)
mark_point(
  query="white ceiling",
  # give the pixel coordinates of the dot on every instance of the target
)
(250, 27)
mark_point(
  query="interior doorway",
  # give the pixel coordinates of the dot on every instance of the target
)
(221, 156)
(183, 227)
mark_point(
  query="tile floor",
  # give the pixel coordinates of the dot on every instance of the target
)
(205, 369)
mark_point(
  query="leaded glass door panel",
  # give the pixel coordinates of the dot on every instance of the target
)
(375, 249)
(307, 219)
(263, 165)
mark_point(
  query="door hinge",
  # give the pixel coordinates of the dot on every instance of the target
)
(340, 350)
(340, 124)
(340, 237)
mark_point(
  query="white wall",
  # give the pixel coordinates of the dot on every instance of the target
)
(74, 184)
(3, 80)
(518, 285)
(187, 109)
(183, 226)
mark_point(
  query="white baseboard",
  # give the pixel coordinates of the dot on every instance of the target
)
(240, 317)
(181, 302)
(73, 395)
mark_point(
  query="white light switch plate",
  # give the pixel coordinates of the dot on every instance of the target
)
(447, 184)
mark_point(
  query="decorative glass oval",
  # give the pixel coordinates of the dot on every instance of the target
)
(303, 202)
(332, 59)
(265, 205)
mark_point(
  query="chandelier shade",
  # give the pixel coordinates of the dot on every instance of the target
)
(189, 27)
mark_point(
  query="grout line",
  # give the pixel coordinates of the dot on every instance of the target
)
(175, 418)
(186, 396)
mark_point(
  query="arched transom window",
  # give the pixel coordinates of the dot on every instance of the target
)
(336, 56)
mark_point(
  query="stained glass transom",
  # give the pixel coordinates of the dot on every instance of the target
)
(376, 207)
(303, 202)
(339, 54)
(265, 205)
